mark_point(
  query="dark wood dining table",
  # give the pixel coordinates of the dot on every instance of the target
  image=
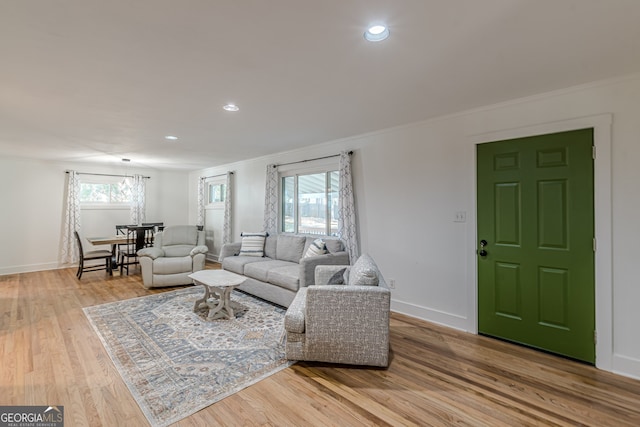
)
(114, 241)
(121, 239)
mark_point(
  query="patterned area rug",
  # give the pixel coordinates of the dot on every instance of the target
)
(176, 362)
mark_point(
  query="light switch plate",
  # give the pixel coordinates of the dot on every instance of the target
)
(460, 216)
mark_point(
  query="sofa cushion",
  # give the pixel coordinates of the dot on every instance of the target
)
(172, 265)
(270, 244)
(236, 264)
(180, 235)
(290, 247)
(287, 277)
(253, 244)
(364, 272)
(177, 250)
(260, 270)
(334, 245)
(317, 247)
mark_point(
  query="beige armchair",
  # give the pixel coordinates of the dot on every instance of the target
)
(177, 252)
(346, 322)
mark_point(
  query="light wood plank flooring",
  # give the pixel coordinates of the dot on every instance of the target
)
(49, 354)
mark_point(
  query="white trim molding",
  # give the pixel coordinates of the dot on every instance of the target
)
(627, 366)
(32, 268)
(430, 315)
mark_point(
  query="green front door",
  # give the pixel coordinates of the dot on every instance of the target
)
(536, 242)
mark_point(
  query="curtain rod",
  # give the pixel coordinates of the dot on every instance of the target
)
(215, 176)
(107, 174)
(311, 160)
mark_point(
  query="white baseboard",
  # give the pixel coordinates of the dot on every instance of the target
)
(627, 366)
(430, 315)
(15, 269)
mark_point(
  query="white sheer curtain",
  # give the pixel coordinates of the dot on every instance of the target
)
(138, 198)
(201, 185)
(271, 200)
(69, 253)
(228, 213)
(347, 208)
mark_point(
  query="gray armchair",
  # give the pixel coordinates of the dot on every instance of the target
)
(341, 323)
(177, 252)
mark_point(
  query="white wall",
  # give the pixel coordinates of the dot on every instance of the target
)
(410, 181)
(31, 209)
(168, 200)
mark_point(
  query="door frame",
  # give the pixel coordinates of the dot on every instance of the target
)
(601, 125)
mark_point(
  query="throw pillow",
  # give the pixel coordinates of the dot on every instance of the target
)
(253, 244)
(337, 278)
(317, 247)
(364, 272)
(290, 247)
(334, 245)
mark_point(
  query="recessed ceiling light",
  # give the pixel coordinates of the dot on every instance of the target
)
(231, 107)
(171, 137)
(376, 33)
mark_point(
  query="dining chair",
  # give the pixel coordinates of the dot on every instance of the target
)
(138, 237)
(90, 256)
(156, 225)
(122, 229)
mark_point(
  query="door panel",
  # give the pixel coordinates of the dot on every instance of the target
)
(508, 292)
(507, 211)
(552, 214)
(535, 209)
(554, 301)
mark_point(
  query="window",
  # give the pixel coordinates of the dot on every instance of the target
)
(310, 203)
(105, 192)
(216, 192)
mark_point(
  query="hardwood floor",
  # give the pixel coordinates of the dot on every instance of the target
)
(50, 355)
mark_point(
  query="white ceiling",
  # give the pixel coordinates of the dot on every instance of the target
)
(91, 80)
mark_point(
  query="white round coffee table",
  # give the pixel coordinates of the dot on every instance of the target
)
(218, 285)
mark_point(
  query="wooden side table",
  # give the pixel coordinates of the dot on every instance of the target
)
(218, 285)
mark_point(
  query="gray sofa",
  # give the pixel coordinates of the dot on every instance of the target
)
(344, 322)
(283, 269)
